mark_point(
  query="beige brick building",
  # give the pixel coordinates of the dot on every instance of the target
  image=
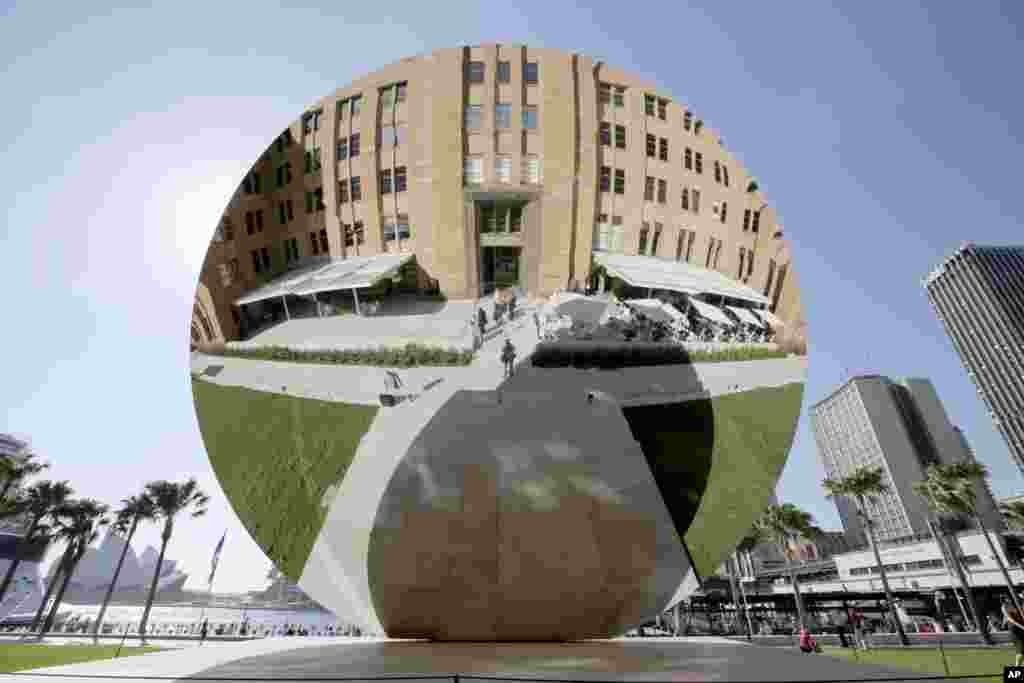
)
(492, 165)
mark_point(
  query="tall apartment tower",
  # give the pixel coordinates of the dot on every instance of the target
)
(901, 427)
(978, 295)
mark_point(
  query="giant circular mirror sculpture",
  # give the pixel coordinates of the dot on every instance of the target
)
(498, 343)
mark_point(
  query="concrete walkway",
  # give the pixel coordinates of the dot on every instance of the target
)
(649, 659)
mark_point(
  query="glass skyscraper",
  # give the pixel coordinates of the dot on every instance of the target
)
(978, 294)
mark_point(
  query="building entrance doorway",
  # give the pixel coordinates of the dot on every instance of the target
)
(499, 267)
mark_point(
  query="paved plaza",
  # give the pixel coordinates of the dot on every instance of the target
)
(627, 659)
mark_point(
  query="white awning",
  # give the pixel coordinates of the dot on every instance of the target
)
(746, 316)
(676, 276)
(655, 309)
(712, 313)
(353, 273)
(770, 318)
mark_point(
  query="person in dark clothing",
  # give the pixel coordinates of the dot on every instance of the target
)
(481, 321)
(512, 308)
(536, 322)
(508, 357)
(1015, 623)
(841, 631)
(203, 630)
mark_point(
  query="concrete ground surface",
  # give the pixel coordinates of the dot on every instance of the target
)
(633, 659)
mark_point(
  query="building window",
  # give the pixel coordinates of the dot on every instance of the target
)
(353, 146)
(488, 219)
(698, 162)
(475, 72)
(504, 72)
(718, 172)
(687, 120)
(620, 97)
(663, 149)
(401, 91)
(532, 169)
(771, 277)
(711, 250)
(725, 209)
(282, 216)
(357, 105)
(642, 247)
(689, 245)
(284, 174)
(318, 197)
(750, 263)
(662, 109)
(473, 116)
(620, 137)
(291, 250)
(259, 220)
(601, 233)
(515, 219)
(685, 204)
(695, 200)
(688, 159)
(389, 230)
(662, 191)
(344, 106)
(357, 229)
(618, 234)
(250, 223)
(649, 189)
(606, 134)
(697, 127)
(400, 179)
(757, 222)
(725, 175)
(680, 243)
(387, 136)
(343, 191)
(347, 231)
(718, 252)
(503, 169)
(530, 117)
(357, 192)
(606, 179)
(604, 93)
(387, 98)
(323, 241)
(257, 265)
(401, 134)
(620, 181)
(531, 73)
(404, 231)
(657, 238)
(743, 259)
(473, 170)
(652, 145)
(291, 210)
(251, 183)
(649, 105)
(313, 243)
(343, 149)
(227, 229)
(312, 160)
(265, 256)
(503, 116)
(385, 181)
(746, 220)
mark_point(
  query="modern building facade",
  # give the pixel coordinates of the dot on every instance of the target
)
(978, 295)
(494, 165)
(901, 427)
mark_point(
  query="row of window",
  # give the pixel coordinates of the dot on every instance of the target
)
(473, 116)
(609, 237)
(473, 169)
(475, 72)
(500, 219)
(610, 94)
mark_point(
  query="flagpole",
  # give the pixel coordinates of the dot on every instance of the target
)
(213, 572)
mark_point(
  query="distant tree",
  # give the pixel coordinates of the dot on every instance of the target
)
(80, 525)
(861, 485)
(170, 500)
(39, 502)
(1014, 513)
(15, 469)
(785, 523)
(133, 510)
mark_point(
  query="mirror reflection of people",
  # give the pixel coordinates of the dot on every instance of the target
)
(508, 357)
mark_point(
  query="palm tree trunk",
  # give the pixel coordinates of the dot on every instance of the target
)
(1002, 566)
(885, 584)
(58, 575)
(743, 597)
(734, 589)
(801, 618)
(165, 537)
(23, 543)
(68, 575)
(968, 592)
(113, 583)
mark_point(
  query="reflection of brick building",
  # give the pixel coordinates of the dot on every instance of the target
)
(495, 164)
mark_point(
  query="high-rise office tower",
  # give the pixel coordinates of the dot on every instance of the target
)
(978, 295)
(900, 427)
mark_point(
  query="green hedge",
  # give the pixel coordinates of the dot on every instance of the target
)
(410, 356)
(637, 354)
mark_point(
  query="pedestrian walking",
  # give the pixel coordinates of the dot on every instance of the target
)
(536, 322)
(1015, 623)
(481, 322)
(508, 357)
(512, 308)
(807, 643)
(203, 630)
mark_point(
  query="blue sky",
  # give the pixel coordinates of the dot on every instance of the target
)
(881, 131)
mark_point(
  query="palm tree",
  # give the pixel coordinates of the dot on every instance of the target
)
(865, 484)
(170, 499)
(133, 510)
(954, 485)
(1014, 513)
(39, 502)
(16, 468)
(750, 540)
(80, 524)
(785, 523)
(929, 490)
